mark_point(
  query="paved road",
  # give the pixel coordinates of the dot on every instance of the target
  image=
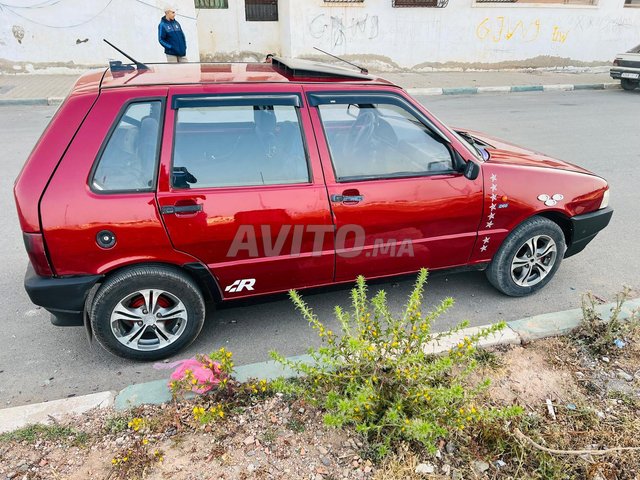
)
(595, 129)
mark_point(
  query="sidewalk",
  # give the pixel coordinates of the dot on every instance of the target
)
(157, 392)
(30, 89)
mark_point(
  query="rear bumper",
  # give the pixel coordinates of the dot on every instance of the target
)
(617, 72)
(63, 297)
(585, 227)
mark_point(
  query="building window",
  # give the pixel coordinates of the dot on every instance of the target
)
(421, 3)
(566, 2)
(632, 3)
(212, 3)
(261, 10)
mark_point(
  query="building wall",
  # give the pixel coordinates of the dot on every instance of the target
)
(225, 35)
(462, 34)
(47, 33)
(467, 33)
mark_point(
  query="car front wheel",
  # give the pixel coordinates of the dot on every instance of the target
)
(628, 84)
(528, 258)
(147, 312)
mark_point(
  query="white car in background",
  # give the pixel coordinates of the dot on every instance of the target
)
(626, 68)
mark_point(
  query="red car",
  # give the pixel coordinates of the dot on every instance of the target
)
(156, 190)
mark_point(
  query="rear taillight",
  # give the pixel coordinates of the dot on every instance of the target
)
(34, 243)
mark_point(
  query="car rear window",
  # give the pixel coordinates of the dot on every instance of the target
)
(128, 160)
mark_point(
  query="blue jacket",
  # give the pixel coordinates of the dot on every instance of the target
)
(171, 37)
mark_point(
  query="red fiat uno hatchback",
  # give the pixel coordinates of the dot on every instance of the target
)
(157, 189)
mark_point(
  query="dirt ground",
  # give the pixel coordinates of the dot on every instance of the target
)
(578, 401)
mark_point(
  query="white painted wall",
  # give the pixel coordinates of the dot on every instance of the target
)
(463, 31)
(70, 32)
(47, 32)
(225, 35)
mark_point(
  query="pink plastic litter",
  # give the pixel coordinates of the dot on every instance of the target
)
(208, 376)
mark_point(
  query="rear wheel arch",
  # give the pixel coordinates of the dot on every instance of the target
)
(197, 272)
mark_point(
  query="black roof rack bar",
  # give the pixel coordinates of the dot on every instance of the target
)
(117, 65)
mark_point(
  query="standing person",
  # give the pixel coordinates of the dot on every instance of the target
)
(171, 37)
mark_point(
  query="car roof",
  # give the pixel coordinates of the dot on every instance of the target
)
(279, 71)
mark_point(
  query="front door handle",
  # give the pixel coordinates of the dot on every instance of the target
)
(178, 209)
(346, 198)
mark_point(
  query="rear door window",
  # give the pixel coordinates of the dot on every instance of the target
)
(128, 160)
(238, 145)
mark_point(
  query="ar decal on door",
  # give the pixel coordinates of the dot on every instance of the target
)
(239, 285)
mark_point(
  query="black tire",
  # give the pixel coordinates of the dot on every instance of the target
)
(174, 319)
(628, 84)
(513, 271)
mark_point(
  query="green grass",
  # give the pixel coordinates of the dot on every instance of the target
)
(31, 433)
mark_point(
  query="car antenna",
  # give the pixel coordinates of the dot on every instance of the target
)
(362, 69)
(117, 65)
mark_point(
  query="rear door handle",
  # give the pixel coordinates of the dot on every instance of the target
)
(178, 209)
(346, 198)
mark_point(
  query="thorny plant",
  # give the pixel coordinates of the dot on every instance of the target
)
(378, 375)
(606, 337)
(135, 460)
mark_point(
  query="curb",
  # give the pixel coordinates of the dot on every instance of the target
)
(517, 332)
(412, 91)
(17, 417)
(512, 89)
(31, 101)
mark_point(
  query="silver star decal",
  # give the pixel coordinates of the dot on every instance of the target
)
(493, 206)
(483, 248)
(489, 224)
(494, 177)
(494, 197)
(494, 187)
(492, 216)
(485, 240)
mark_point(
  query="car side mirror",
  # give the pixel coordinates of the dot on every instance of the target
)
(471, 170)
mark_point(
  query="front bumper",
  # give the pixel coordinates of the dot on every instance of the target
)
(585, 227)
(63, 297)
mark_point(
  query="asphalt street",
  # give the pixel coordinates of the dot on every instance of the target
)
(593, 129)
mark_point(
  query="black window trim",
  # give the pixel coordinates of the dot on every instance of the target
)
(105, 142)
(356, 97)
(248, 99)
(368, 97)
(225, 100)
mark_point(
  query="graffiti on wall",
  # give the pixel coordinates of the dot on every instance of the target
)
(501, 29)
(340, 31)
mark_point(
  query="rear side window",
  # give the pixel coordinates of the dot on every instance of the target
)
(238, 145)
(128, 161)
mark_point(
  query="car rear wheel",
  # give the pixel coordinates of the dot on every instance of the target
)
(528, 258)
(147, 313)
(628, 84)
